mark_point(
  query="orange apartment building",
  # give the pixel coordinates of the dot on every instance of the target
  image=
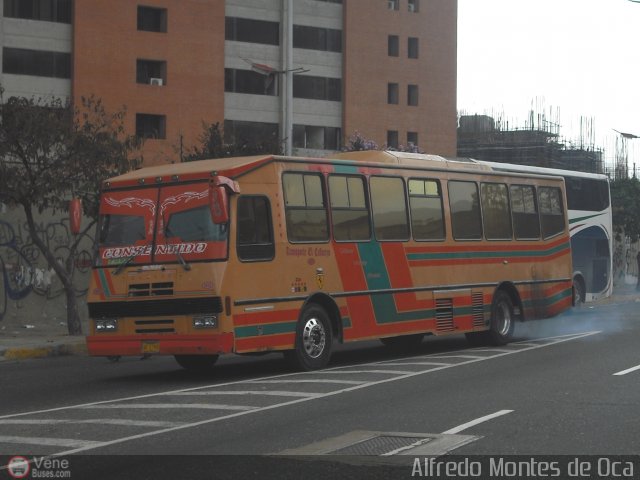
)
(311, 72)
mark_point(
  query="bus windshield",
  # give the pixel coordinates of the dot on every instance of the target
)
(166, 225)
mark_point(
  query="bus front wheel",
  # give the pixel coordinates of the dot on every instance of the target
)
(313, 340)
(196, 363)
(502, 319)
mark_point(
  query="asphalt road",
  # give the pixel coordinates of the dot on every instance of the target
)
(565, 386)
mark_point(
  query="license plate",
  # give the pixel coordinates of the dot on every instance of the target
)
(150, 347)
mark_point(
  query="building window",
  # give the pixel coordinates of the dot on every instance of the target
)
(413, 6)
(393, 93)
(248, 81)
(317, 88)
(412, 95)
(412, 138)
(252, 31)
(255, 232)
(393, 48)
(349, 212)
(393, 4)
(42, 10)
(151, 72)
(317, 38)
(413, 48)
(38, 63)
(318, 138)
(151, 19)
(151, 126)
(392, 138)
(305, 207)
(250, 133)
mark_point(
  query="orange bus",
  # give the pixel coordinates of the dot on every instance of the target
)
(274, 253)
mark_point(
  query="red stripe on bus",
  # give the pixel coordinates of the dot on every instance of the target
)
(261, 318)
(282, 341)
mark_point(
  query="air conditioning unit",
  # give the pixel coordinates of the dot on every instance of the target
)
(155, 81)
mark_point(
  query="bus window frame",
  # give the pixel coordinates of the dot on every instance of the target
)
(476, 183)
(270, 225)
(563, 212)
(442, 211)
(406, 210)
(367, 207)
(325, 201)
(513, 223)
(510, 214)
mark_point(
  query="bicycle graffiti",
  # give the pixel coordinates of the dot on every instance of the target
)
(24, 270)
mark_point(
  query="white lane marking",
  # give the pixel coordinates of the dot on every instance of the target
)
(492, 350)
(561, 339)
(315, 380)
(472, 423)
(274, 393)
(203, 406)
(54, 442)
(408, 447)
(628, 370)
(472, 357)
(342, 372)
(96, 421)
(433, 364)
(526, 344)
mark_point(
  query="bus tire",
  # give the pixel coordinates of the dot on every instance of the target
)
(403, 343)
(196, 363)
(314, 340)
(502, 319)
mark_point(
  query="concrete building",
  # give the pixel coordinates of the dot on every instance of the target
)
(309, 72)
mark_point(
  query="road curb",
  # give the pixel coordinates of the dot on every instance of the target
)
(41, 351)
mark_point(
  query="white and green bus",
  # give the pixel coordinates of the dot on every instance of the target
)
(590, 220)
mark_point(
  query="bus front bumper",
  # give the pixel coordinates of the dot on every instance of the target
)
(135, 345)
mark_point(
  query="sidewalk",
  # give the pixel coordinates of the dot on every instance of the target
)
(18, 342)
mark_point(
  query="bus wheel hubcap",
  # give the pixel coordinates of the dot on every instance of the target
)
(504, 319)
(313, 338)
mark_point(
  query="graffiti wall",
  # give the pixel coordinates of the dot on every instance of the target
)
(31, 295)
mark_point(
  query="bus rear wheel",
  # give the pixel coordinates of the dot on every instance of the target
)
(313, 340)
(502, 319)
(196, 363)
(578, 292)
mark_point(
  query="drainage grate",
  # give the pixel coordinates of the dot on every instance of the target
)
(380, 445)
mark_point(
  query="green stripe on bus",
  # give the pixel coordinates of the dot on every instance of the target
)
(261, 330)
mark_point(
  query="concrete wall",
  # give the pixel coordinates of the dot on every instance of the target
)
(30, 292)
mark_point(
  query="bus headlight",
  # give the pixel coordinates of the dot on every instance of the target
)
(106, 325)
(205, 321)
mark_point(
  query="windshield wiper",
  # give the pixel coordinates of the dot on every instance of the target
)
(181, 259)
(126, 262)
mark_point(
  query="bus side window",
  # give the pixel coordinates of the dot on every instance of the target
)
(349, 212)
(551, 213)
(255, 232)
(466, 221)
(389, 208)
(495, 211)
(526, 224)
(305, 207)
(427, 220)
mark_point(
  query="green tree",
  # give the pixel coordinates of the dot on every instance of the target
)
(211, 144)
(625, 203)
(51, 152)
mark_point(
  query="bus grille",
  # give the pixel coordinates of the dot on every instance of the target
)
(444, 315)
(477, 308)
(150, 289)
(154, 326)
(155, 307)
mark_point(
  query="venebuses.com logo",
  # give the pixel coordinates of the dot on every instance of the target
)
(21, 467)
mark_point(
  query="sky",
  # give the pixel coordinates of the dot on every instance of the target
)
(566, 59)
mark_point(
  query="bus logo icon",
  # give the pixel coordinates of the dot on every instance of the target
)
(18, 467)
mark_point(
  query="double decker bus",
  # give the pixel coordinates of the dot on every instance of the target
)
(275, 253)
(590, 220)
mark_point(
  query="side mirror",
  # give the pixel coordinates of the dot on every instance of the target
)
(219, 204)
(75, 215)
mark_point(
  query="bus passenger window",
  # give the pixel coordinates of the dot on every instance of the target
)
(427, 220)
(389, 207)
(349, 212)
(466, 222)
(255, 233)
(551, 211)
(305, 208)
(495, 211)
(526, 223)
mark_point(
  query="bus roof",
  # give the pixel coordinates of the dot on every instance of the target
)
(541, 170)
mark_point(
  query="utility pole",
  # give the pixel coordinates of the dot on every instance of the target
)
(286, 92)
